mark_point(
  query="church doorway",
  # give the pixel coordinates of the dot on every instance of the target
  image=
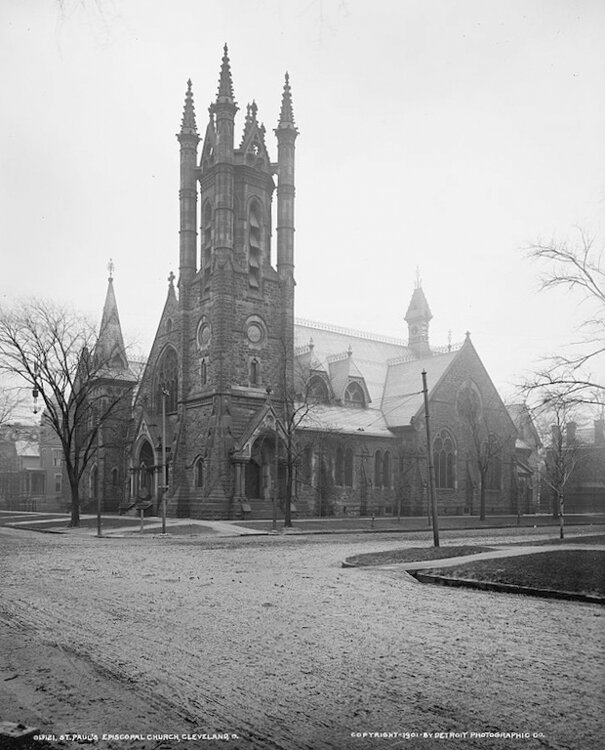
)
(145, 486)
(260, 470)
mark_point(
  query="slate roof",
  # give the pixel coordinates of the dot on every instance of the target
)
(391, 370)
(403, 397)
(370, 352)
(327, 418)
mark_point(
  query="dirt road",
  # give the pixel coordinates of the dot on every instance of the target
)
(267, 643)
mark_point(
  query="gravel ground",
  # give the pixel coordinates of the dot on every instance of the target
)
(270, 640)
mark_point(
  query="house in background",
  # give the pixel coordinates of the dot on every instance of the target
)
(529, 460)
(585, 489)
(22, 479)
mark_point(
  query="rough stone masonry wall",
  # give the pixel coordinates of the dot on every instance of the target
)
(444, 414)
(338, 500)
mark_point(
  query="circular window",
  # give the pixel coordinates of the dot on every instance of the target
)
(255, 333)
(204, 333)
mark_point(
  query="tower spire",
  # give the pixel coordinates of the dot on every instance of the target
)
(225, 83)
(286, 115)
(188, 139)
(110, 351)
(286, 134)
(418, 317)
(188, 126)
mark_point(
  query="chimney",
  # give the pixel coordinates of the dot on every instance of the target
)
(555, 433)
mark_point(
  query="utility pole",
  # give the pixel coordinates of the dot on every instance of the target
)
(430, 460)
(98, 483)
(164, 486)
(274, 525)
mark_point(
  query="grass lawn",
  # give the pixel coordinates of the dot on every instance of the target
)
(585, 539)
(413, 554)
(576, 571)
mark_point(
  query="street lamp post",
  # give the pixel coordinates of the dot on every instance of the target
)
(269, 390)
(98, 483)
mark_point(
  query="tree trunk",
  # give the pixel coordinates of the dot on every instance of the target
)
(288, 501)
(561, 516)
(482, 499)
(75, 503)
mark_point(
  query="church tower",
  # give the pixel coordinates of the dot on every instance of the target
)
(418, 317)
(229, 335)
(113, 382)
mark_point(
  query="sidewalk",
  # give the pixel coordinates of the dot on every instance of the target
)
(431, 571)
(503, 551)
(125, 526)
(129, 526)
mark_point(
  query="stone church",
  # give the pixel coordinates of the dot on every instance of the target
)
(230, 363)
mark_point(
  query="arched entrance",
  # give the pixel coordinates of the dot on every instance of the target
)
(144, 489)
(260, 470)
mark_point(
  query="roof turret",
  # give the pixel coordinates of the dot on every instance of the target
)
(188, 126)
(225, 83)
(286, 115)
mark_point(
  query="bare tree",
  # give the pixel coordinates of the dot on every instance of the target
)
(10, 400)
(409, 458)
(577, 267)
(485, 443)
(562, 454)
(54, 351)
(299, 401)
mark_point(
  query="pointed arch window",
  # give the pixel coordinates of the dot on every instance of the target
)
(340, 467)
(354, 396)
(198, 473)
(317, 390)
(254, 372)
(254, 246)
(386, 469)
(378, 469)
(348, 469)
(494, 473)
(444, 460)
(204, 372)
(167, 380)
(114, 477)
(207, 240)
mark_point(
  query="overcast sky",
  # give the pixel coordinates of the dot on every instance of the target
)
(439, 134)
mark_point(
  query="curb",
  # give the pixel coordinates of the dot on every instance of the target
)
(505, 588)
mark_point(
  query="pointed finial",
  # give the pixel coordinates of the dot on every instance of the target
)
(286, 115)
(468, 334)
(449, 341)
(225, 84)
(418, 279)
(188, 125)
(110, 269)
(311, 343)
(350, 351)
(171, 278)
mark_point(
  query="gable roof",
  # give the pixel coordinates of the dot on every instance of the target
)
(338, 419)
(403, 397)
(370, 351)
